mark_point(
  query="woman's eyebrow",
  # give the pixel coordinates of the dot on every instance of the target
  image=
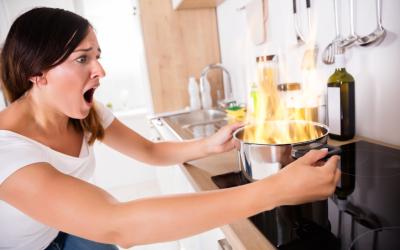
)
(86, 50)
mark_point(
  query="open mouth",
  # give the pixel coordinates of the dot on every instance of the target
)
(88, 95)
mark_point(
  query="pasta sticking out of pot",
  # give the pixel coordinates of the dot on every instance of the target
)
(283, 132)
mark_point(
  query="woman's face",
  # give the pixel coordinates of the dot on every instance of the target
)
(70, 86)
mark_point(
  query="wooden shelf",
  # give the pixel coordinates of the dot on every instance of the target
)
(195, 4)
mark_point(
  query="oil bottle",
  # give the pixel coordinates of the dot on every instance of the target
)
(341, 102)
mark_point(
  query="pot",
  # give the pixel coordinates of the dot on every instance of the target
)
(258, 160)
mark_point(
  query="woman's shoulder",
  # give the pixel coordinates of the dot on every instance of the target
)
(12, 127)
(15, 118)
(3, 119)
(10, 118)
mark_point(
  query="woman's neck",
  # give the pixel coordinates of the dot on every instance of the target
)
(43, 116)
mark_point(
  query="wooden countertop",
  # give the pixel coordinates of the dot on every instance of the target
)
(241, 234)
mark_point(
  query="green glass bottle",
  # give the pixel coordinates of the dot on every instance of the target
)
(341, 102)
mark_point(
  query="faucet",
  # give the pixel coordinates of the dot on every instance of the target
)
(228, 101)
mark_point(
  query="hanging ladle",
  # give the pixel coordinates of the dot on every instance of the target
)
(379, 34)
(352, 38)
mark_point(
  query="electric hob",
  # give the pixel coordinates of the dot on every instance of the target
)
(363, 213)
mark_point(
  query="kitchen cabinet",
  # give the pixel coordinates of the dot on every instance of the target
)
(172, 180)
(115, 170)
(178, 44)
(195, 4)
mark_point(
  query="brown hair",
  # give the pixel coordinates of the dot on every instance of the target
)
(39, 40)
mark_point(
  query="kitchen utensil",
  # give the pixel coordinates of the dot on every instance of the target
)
(259, 160)
(379, 34)
(353, 37)
(299, 36)
(328, 55)
(311, 52)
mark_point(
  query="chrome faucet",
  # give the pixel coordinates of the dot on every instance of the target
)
(228, 101)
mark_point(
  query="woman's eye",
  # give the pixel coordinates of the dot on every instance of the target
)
(82, 59)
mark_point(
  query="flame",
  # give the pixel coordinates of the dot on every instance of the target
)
(272, 120)
(282, 132)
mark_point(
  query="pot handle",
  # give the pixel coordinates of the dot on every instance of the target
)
(297, 153)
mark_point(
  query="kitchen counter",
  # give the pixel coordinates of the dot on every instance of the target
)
(241, 234)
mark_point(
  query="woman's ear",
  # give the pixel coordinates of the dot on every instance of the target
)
(39, 79)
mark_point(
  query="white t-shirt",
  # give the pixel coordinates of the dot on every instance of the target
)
(17, 230)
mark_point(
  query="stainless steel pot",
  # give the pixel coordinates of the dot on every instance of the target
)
(259, 160)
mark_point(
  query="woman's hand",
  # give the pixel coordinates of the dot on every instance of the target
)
(308, 179)
(222, 141)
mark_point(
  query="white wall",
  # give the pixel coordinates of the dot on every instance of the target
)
(16, 7)
(123, 57)
(375, 69)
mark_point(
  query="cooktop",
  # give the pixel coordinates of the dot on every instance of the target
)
(363, 213)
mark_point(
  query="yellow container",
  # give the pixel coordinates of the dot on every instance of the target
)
(236, 115)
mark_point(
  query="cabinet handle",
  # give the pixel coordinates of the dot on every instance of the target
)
(158, 122)
(224, 244)
(156, 138)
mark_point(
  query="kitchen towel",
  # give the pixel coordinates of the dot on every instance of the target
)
(257, 16)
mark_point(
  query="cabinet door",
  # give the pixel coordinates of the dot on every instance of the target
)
(172, 180)
(178, 44)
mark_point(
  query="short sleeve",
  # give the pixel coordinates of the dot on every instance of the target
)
(105, 114)
(16, 153)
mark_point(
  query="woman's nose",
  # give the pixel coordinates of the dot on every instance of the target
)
(98, 70)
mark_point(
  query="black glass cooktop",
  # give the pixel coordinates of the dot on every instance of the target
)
(364, 212)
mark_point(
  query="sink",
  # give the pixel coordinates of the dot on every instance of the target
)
(197, 117)
(196, 124)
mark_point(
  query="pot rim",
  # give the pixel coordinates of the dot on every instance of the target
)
(323, 126)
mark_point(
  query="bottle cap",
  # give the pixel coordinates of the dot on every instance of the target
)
(340, 61)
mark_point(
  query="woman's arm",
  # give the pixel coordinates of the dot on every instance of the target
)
(128, 142)
(79, 208)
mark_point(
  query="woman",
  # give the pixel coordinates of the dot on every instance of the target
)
(50, 71)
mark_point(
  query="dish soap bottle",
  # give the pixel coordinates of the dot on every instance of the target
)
(205, 90)
(341, 102)
(193, 89)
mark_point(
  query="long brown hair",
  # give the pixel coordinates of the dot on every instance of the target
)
(39, 40)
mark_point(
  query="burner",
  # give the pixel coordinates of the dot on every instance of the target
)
(298, 227)
(365, 159)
